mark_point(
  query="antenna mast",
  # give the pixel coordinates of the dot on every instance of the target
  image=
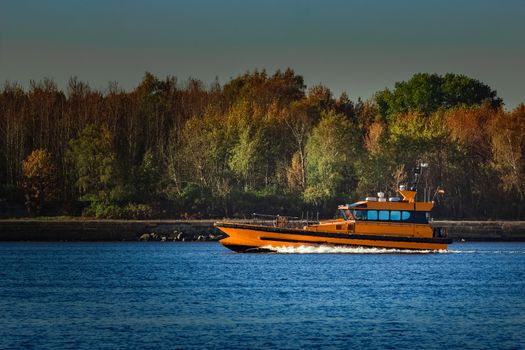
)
(417, 175)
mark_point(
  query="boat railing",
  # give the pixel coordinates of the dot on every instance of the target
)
(280, 221)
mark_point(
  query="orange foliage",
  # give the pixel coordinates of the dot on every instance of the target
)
(372, 138)
(469, 127)
(508, 143)
(39, 178)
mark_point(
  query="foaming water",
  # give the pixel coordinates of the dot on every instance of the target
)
(330, 249)
(454, 251)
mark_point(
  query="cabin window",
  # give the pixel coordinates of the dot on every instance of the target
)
(421, 217)
(383, 215)
(360, 214)
(405, 215)
(372, 215)
(395, 215)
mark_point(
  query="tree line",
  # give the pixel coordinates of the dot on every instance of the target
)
(259, 143)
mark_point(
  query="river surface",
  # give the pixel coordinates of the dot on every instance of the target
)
(200, 295)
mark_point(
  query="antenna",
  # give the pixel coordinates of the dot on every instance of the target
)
(417, 175)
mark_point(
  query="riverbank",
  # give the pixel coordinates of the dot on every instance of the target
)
(107, 230)
(484, 231)
(91, 230)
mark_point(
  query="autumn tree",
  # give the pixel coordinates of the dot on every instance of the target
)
(345, 106)
(14, 132)
(508, 152)
(295, 174)
(263, 139)
(320, 97)
(374, 167)
(299, 126)
(39, 179)
(260, 88)
(245, 151)
(472, 186)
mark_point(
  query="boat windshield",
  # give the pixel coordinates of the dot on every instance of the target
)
(360, 214)
(418, 217)
(347, 214)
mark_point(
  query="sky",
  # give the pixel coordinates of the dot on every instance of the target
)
(359, 47)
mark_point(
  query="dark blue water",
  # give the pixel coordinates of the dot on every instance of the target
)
(200, 295)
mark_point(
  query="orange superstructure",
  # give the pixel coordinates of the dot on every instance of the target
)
(401, 223)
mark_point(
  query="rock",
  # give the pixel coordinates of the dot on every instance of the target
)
(145, 237)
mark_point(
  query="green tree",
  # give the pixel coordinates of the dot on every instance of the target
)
(95, 165)
(426, 93)
(149, 179)
(393, 150)
(244, 155)
(222, 149)
(204, 153)
(331, 152)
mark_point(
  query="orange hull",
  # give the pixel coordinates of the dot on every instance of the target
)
(254, 238)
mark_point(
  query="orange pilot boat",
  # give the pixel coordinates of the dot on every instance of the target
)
(380, 222)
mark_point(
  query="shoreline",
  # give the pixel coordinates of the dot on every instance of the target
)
(94, 230)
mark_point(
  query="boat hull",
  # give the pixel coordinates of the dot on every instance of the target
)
(255, 238)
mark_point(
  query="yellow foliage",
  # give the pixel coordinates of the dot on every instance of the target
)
(295, 174)
(39, 178)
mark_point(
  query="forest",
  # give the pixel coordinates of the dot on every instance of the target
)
(261, 142)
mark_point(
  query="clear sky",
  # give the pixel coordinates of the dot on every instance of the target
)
(355, 46)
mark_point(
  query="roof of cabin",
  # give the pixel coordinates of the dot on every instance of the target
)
(400, 205)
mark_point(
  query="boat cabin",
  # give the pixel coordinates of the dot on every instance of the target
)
(393, 209)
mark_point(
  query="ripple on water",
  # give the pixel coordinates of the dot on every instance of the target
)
(201, 295)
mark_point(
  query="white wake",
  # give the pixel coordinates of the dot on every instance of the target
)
(330, 249)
